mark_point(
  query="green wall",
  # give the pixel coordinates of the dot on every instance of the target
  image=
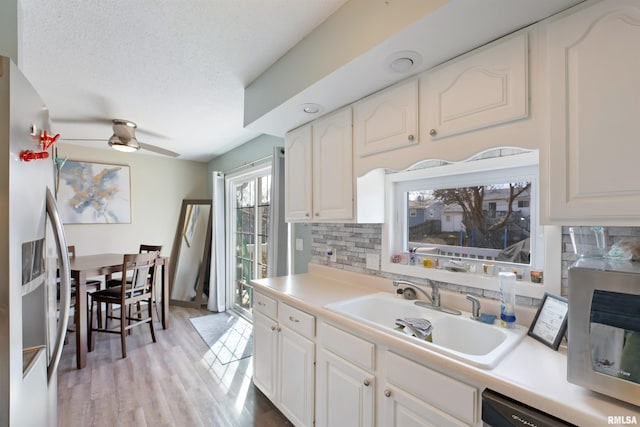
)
(258, 148)
(9, 36)
(245, 155)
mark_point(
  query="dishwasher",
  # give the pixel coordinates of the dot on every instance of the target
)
(501, 411)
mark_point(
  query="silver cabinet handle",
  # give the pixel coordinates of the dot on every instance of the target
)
(261, 304)
(306, 214)
(411, 137)
(433, 132)
(279, 329)
(366, 382)
(273, 328)
(317, 214)
(387, 393)
(293, 319)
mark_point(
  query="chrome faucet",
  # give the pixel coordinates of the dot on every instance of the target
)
(434, 298)
(475, 307)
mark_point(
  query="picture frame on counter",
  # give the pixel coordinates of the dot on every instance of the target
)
(550, 322)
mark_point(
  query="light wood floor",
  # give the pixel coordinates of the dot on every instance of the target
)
(173, 382)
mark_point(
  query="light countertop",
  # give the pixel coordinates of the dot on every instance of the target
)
(531, 373)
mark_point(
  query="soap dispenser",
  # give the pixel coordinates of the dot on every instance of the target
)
(507, 299)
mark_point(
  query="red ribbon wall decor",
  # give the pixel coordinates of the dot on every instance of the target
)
(46, 141)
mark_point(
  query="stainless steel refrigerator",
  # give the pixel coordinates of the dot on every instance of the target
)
(34, 266)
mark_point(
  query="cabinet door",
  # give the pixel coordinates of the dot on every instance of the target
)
(594, 115)
(486, 88)
(296, 379)
(402, 409)
(345, 393)
(333, 167)
(440, 391)
(265, 351)
(386, 121)
(298, 174)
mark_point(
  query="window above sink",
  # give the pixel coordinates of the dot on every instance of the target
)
(464, 222)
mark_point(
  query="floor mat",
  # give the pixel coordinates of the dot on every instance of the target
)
(229, 337)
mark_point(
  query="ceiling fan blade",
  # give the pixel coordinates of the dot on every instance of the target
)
(144, 146)
(83, 120)
(84, 139)
(158, 150)
(151, 134)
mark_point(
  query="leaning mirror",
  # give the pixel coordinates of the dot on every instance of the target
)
(191, 254)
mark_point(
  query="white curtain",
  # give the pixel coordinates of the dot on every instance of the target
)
(278, 236)
(217, 278)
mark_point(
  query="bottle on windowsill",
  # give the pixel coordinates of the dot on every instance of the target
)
(507, 299)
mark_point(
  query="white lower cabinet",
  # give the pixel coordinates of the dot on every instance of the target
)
(284, 358)
(346, 385)
(265, 354)
(356, 388)
(402, 409)
(345, 393)
(415, 395)
(346, 380)
(296, 377)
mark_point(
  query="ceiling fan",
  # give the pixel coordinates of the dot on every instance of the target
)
(124, 139)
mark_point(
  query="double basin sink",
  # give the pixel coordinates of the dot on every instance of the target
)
(457, 336)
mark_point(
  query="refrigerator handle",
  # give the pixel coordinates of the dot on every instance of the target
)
(65, 283)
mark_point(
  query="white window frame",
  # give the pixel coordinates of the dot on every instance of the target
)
(522, 166)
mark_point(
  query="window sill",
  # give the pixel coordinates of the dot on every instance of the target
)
(471, 280)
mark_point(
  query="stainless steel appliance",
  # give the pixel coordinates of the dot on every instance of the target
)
(34, 267)
(604, 327)
(501, 411)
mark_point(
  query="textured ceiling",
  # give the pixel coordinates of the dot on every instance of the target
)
(175, 67)
(178, 68)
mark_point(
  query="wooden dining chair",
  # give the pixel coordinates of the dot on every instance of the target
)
(140, 267)
(116, 282)
(92, 285)
(143, 249)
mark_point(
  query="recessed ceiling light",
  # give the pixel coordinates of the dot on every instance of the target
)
(311, 108)
(403, 61)
(401, 65)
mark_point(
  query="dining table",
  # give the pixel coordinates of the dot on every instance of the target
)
(86, 266)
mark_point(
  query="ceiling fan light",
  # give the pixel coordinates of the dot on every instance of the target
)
(127, 146)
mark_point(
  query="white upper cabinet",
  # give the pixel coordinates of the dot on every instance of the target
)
(319, 170)
(590, 167)
(490, 97)
(333, 166)
(298, 174)
(386, 121)
(485, 89)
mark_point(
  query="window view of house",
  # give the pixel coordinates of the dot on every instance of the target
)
(252, 203)
(484, 222)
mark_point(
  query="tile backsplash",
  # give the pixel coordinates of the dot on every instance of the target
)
(353, 242)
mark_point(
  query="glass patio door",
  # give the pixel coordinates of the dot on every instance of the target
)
(250, 200)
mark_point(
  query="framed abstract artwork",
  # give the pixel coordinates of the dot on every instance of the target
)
(94, 193)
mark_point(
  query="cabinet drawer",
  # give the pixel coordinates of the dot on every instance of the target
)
(449, 395)
(265, 305)
(350, 347)
(299, 321)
